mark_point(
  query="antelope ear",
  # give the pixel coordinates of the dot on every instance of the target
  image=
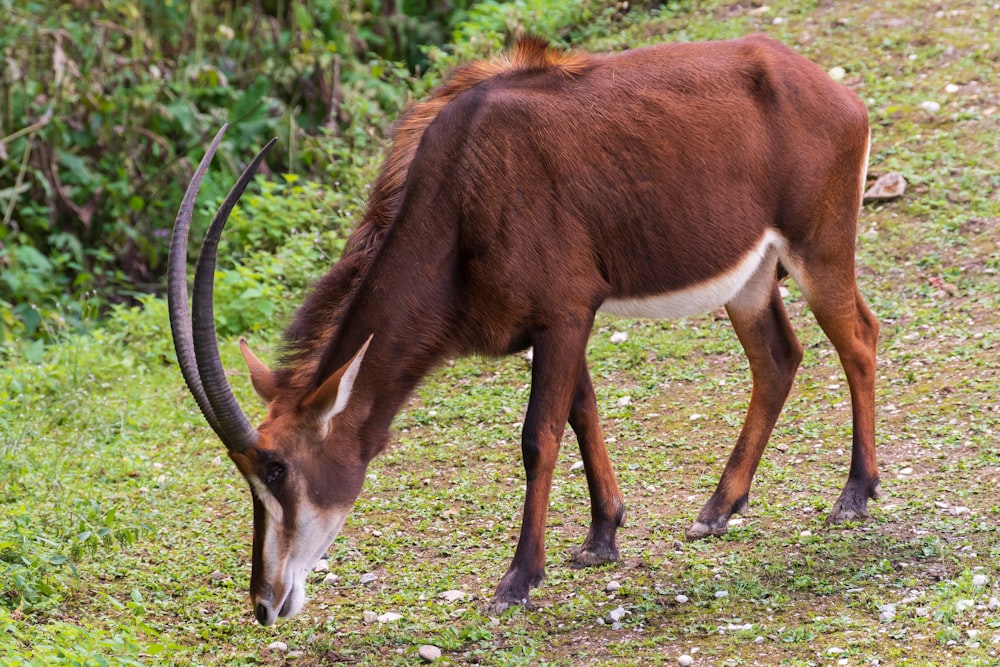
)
(260, 375)
(331, 397)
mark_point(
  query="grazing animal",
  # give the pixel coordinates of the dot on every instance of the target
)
(523, 196)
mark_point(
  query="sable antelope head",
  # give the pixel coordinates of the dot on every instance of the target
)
(302, 484)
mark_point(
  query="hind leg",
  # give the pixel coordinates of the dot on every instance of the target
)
(607, 507)
(774, 353)
(853, 330)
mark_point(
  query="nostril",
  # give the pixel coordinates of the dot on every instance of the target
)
(260, 611)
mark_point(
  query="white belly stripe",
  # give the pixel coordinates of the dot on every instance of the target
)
(704, 296)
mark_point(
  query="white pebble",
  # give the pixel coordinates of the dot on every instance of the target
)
(429, 653)
(277, 646)
(616, 626)
(685, 660)
(370, 616)
(367, 578)
(980, 580)
(452, 595)
(681, 599)
(805, 533)
(389, 617)
(758, 640)
(322, 565)
(833, 650)
(837, 73)
(886, 617)
(617, 614)
(721, 594)
(930, 106)
(623, 401)
(994, 604)
(951, 88)
(612, 586)
(962, 605)
(576, 466)
(330, 579)
(619, 337)
(295, 654)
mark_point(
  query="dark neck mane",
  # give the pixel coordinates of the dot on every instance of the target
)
(315, 322)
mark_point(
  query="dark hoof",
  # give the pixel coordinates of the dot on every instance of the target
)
(498, 606)
(852, 505)
(702, 530)
(586, 557)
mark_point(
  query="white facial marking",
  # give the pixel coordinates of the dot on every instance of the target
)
(706, 295)
(270, 503)
(286, 566)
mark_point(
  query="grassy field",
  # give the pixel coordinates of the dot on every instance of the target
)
(125, 532)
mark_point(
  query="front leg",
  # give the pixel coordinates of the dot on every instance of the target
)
(558, 356)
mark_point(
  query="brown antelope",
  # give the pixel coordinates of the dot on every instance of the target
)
(526, 194)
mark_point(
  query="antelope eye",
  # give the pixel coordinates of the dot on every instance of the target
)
(274, 473)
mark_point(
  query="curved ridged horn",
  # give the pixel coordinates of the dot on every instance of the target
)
(195, 339)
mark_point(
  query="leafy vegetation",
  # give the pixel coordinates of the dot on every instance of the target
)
(124, 532)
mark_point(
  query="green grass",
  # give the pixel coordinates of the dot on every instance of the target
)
(124, 535)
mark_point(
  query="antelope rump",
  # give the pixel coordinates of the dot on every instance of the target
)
(524, 195)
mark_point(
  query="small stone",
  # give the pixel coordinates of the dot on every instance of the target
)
(612, 586)
(623, 401)
(833, 650)
(930, 106)
(960, 511)
(429, 653)
(980, 580)
(685, 660)
(389, 617)
(322, 565)
(782, 447)
(370, 617)
(280, 647)
(758, 640)
(994, 604)
(962, 605)
(367, 578)
(951, 88)
(906, 471)
(837, 73)
(616, 626)
(577, 465)
(291, 655)
(681, 599)
(330, 579)
(886, 617)
(887, 186)
(617, 614)
(452, 595)
(600, 620)
(805, 533)
(922, 612)
(721, 594)
(218, 576)
(619, 337)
